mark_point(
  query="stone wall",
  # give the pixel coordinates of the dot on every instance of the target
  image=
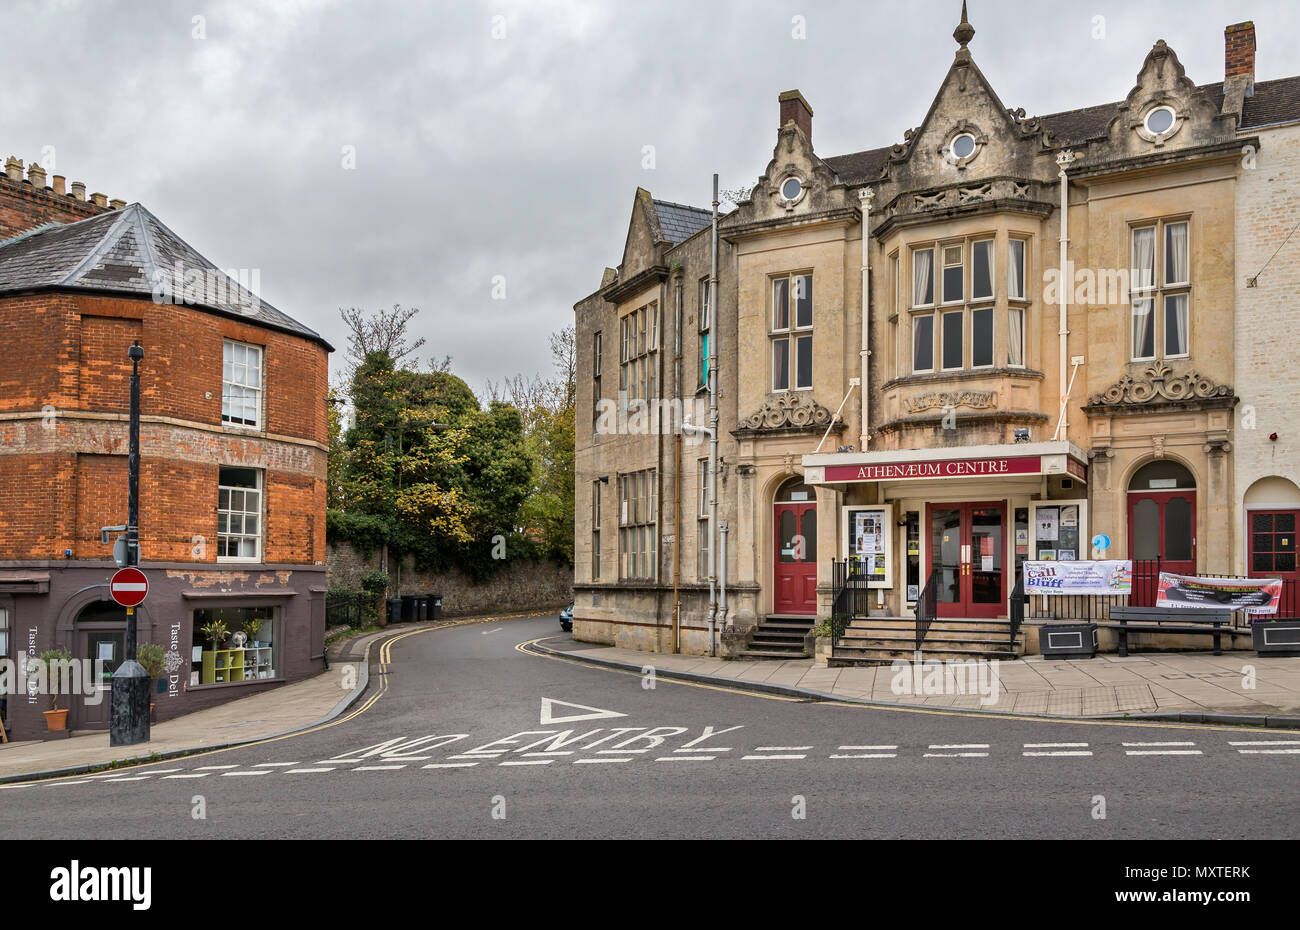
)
(516, 587)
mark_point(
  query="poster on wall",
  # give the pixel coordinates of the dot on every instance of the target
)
(1067, 576)
(1253, 595)
(868, 541)
(1048, 519)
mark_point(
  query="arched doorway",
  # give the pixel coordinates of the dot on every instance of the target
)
(1161, 524)
(794, 568)
(99, 633)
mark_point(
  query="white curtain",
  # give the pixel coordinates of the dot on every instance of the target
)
(988, 265)
(1176, 253)
(1144, 257)
(1176, 324)
(1015, 269)
(1016, 340)
(1143, 340)
(922, 266)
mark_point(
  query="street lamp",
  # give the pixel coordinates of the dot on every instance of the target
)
(129, 704)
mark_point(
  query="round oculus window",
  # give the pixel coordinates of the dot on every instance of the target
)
(791, 189)
(1159, 121)
(963, 146)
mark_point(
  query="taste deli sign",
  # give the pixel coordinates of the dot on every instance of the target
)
(952, 468)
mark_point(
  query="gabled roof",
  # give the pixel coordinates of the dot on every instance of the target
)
(678, 222)
(1273, 102)
(130, 251)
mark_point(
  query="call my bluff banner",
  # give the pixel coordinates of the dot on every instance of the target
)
(1093, 577)
(1253, 595)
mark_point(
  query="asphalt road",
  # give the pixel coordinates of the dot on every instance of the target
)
(453, 743)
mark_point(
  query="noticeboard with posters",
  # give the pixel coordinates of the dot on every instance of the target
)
(1057, 531)
(868, 533)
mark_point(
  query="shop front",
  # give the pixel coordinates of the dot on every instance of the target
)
(967, 516)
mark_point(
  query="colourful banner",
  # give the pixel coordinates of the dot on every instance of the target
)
(1253, 595)
(1077, 577)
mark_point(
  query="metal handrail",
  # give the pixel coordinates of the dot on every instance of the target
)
(1016, 614)
(926, 607)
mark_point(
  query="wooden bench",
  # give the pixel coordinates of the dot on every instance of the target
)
(1169, 620)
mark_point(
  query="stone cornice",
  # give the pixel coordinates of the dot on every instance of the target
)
(841, 215)
(168, 421)
(979, 376)
(621, 290)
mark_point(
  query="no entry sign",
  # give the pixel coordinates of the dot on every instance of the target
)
(128, 586)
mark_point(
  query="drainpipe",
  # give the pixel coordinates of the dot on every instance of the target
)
(865, 196)
(722, 572)
(1063, 160)
(713, 429)
(677, 473)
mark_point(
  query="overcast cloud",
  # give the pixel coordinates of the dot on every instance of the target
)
(517, 156)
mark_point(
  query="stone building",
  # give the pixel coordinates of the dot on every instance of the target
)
(233, 444)
(1042, 354)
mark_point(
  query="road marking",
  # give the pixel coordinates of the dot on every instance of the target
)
(955, 755)
(307, 771)
(704, 749)
(1056, 745)
(1268, 752)
(378, 768)
(865, 755)
(79, 781)
(1265, 742)
(959, 746)
(527, 762)
(865, 748)
(486, 632)
(798, 756)
(1163, 752)
(1059, 752)
(286, 765)
(594, 713)
(249, 772)
(118, 777)
(686, 758)
(647, 749)
(1166, 743)
(782, 748)
(550, 752)
(135, 778)
(451, 765)
(163, 771)
(190, 775)
(593, 761)
(205, 768)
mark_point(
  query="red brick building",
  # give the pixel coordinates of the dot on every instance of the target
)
(233, 445)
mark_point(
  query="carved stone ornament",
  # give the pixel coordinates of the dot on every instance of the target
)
(976, 399)
(788, 411)
(1160, 385)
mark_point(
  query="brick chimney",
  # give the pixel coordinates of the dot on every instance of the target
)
(1239, 50)
(795, 109)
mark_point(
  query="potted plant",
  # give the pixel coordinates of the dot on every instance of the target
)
(216, 632)
(251, 626)
(54, 664)
(151, 656)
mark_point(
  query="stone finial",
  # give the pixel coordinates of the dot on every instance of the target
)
(964, 31)
(14, 168)
(60, 184)
(78, 190)
(100, 200)
(36, 176)
(117, 204)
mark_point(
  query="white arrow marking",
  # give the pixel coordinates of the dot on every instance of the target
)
(497, 630)
(595, 712)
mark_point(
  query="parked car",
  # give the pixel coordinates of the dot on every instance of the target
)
(566, 618)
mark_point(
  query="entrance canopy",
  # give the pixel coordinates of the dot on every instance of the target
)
(1019, 459)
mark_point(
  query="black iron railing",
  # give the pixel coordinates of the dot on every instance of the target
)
(1016, 612)
(926, 607)
(851, 593)
(345, 609)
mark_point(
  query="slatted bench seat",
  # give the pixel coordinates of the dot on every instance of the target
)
(1211, 621)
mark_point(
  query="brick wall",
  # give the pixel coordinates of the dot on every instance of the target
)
(23, 206)
(517, 587)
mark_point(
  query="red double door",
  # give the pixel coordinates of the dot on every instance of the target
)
(794, 569)
(1161, 538)
(968, 547)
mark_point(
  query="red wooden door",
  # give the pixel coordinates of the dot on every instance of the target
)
(968, 547)
(794, 581)
(1270, 552)
(1161, 538)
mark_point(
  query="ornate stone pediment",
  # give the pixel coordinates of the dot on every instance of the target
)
(980, 400)
(1159, 385)
(792, 410)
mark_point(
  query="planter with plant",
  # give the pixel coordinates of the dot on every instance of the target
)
(216, 632)
(151, 656)
(53, 664)
(251, 626)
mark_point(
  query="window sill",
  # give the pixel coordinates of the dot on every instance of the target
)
(216, 685)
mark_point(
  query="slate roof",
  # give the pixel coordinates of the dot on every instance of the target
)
(1273, 102)
(679, 222)
(130, 251)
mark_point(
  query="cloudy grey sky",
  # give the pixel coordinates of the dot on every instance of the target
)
(478, 155)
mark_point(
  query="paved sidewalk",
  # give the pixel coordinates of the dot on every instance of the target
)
(1198, 687)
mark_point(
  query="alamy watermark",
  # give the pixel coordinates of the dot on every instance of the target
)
(932, 677)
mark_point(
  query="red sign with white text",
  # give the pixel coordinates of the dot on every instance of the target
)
(128, 586)
(954, 468)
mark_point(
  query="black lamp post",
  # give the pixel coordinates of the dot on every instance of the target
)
(129, 706)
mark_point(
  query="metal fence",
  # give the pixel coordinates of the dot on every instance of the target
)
(345, 609)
